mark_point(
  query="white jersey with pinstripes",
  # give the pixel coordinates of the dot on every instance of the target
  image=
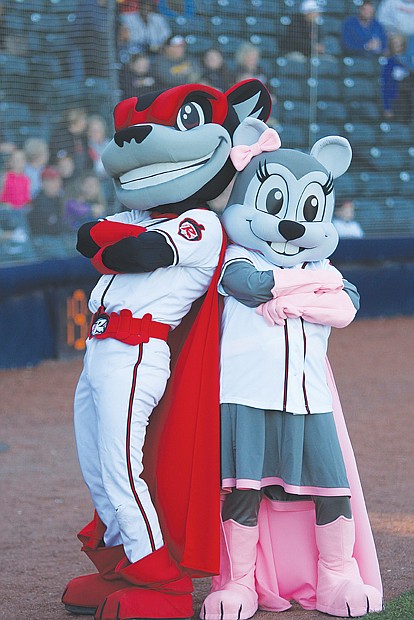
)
(195, 238)
(278, 367)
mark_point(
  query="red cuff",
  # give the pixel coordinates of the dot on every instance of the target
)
(108, 232)
(96, 262)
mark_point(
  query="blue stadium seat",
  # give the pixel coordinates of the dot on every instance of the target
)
(326, 88)
(294, 136)
(224, 24)
(294, 111)
(347, 186)
(384, 158)
(29, 6)
(257, 24)
(359, 87)
(198, 44)
(331, 111)
(288, 87)
(359, 65)
(332, 45)
(394, 133)
(266, 7)
(14, 65)
(268, 45)
(44, 66)
(289, 67)
(370, 213)
(62, 6)
(404, 186)
(218, 7)
(320, 130)
(339, 7)
(189, 25)
(330, 24)
(228, 44)
(374, 183)
(360, 110)
(12, 113)
(327, 67)
(47, 22)
(360, 133)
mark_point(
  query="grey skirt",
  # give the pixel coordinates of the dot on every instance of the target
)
(301, 453)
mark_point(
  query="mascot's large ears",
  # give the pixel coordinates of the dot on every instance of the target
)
(334, 153)
(248, 99)
(249, 131)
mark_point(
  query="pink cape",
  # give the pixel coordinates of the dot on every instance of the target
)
(286, 567)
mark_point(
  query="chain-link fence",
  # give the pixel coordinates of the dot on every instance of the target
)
(331, 67)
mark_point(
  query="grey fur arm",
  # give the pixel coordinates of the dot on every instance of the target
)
(352, 291)
(245, 283)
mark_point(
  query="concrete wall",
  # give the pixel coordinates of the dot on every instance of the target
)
(43, 313)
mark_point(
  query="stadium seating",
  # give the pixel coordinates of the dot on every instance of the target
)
(330, 94)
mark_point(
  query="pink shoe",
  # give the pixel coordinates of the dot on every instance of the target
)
(237, 598)
(340, 590)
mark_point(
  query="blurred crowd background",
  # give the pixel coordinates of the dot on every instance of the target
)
(342, 67)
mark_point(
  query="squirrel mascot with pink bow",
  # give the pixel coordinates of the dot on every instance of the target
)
(294, 521)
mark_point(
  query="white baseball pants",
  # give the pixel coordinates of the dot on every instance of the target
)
(119, 387)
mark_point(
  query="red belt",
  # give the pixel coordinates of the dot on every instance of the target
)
(123, 326)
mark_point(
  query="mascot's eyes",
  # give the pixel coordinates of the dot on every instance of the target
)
(310, 209)
(274, 201)
(189, 116)
(272, 195)
(311, 206)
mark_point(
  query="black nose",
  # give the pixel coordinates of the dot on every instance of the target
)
(137, 133)
(291, 230)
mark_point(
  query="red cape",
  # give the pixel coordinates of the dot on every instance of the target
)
(182, 448)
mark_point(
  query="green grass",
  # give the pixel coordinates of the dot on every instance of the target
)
(401, 608)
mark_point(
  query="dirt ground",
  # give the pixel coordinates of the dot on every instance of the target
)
(44, 501)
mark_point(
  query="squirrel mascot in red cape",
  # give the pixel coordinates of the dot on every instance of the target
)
(151, 532)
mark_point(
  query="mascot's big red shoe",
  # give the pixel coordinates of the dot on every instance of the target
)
(83, 594)
(169, 156)
(162, 590)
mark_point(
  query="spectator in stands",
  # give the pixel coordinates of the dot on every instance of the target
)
(397, 16)
(177, 8)
(248, 63)
(136, 77)
(15, 190)
(66, 168)
(397, 81)
(71, 136)
(344, 220)
(173, 67)
(127, 6)
(301, 38)
(91, 39)
(37, 156)
(362, 34)
(144, 30)
(45, 216)
(97, 141)
(85, 201)
(215, 71)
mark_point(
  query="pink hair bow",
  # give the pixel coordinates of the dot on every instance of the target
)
(241, 155)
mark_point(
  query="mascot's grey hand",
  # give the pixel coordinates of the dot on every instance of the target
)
(293, 281)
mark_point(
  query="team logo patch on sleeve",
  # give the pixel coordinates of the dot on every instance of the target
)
(190, 229)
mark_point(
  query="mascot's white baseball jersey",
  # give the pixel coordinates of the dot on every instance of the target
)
(144, 461)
